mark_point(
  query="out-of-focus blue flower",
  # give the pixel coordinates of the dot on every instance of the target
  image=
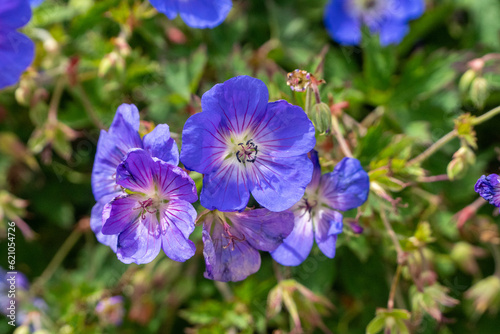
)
(316, 217)
(232, 251)
(345, 18)
(488, 187)
(195, 13)
(16, 50)
(154, 213)
(110, 310)
(17, 284)
(35, 3)
(243, 144)
(123, 136)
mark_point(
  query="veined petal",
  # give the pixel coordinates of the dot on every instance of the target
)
(123, 211)
(204, 142)
(160, 145)
(177, 221)
(263, 229)
(96, 218)
(279, 183)
(14, 14)
(126, 120)
(342, 27)
(204, 13)
(327, 224)
(346, 187)
(297, 246)
(225, 189)
(16, 53)
(227, 261)
(140, 242)
(136, 172)
(241, 103)
(174, 183)
(284, 131)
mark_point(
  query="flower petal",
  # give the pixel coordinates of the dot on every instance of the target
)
(328, 224)
(488, 187)
(177, 221)
(407, 9)
(204, 13)
(263, 229)
(346, 187)
(123, 211)
(241, 103)
(284, 131)
(204, 142)
(341, 26)
(297, 246)
(140, 242)
(16, 54)
(168, 7)
(136, 172)
(225, 189)
(14, 14)
(392, 31)
(96, 219)
(316, 176)
(279, 183)
(126, 120)
(159, 143)
(226, 262)
(174, 183)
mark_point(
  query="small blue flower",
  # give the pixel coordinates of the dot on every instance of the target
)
(123, 136)
(155, 211)
(195, 13)
(315, 217)
(488, 187)
(345, 18)
(243, 144)
(232, 251)
(16, 50)
(110, 310)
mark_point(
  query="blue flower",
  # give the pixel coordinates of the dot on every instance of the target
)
(488, 187)
(196, 13)
(16, 50)
(35, 3)
(110, 310)
(123, 136)
(243, 144)
(315, 215)
(155, 211)
(232, 251)
(344, 19)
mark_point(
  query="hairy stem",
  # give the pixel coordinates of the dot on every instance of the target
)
(392, 293)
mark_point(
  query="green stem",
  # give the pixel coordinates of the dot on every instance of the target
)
(433, 148)
(393, 236)
(56, 98)
(58, 258)
(340, 139)
(486, 116)
(392, 293)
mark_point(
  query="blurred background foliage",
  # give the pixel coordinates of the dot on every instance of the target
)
(428, 259)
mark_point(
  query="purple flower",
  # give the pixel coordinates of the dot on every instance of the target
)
(344, 19)
(243, 144)
(232, 251)
(110, 310)
(195, 13)
(155, 211)
(16, 50)
(123, 136)
(488, 187)
(315, 217)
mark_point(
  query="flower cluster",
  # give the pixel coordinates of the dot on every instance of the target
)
(344, 19)
(195, 13)
(242, 144)
(16, 50)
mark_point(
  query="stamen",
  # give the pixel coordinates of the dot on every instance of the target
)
(231, 237)
(248, 152)
(144, 206)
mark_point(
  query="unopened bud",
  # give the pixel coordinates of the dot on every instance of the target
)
(321, 117)
(479, 92)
